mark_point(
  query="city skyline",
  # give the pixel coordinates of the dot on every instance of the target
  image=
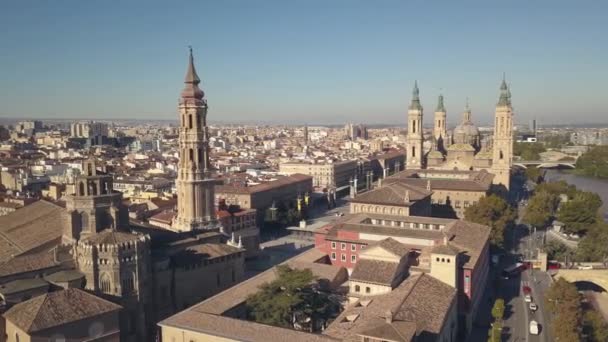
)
(293, 63)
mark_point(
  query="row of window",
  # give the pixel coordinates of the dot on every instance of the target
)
(353, 257)
(358, 289)
(353, 247)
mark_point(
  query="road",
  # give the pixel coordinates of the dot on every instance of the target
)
(517, 313)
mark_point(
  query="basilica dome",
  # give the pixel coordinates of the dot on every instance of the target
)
(466, 132)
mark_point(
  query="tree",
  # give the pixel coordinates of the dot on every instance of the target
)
(528, 151)
(292, 295)
(563, 300)
(498, 310)
(594, 162)
(595, 327)
(594, 246)
(540, 209)
(577, 216)
(495, 212)
(557, 250)
(533, 174)
(495, 333)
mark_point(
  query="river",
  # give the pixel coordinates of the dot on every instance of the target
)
(599, 186)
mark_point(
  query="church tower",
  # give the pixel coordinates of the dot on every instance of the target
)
(195, 187)
(440, 133)
(502, 154)
(414, 132)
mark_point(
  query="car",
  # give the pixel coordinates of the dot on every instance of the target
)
(533, 307)
(585, 267)
(528, 299)
(526, 290)
(534, 327)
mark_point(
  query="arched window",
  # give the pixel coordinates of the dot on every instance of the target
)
(414, 126)
(198, 121)
(200, 155)
(190, 121)
(105, 283)
(81, 189)
(191, 153)
(93, 191)
(500, 154)
(16, 337)
(413, 151)
(357, 288)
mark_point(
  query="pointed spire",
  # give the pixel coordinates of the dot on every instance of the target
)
(191, 89)
(467, 112)
(440, 106)
(505, 94)
(416, 98)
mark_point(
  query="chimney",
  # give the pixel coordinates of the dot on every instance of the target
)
(407, 196)
(428, 185)
(445, 239)
(389, 317)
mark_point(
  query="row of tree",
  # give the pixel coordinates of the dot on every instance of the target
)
(570, 321)
(528, 151)
(594, 162)
(498, 313)
(494, 212)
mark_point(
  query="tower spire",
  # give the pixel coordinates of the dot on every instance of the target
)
(191, 81)
(504, 99)
(467, 112)
(416, 98)
(440, 106)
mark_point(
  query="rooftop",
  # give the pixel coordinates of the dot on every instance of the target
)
(56, 309)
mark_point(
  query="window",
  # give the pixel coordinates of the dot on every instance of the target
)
(357, 288)
(362, 247)
(16, 337)
(343, 257)
(105, 284)
(353, 258)
(333, 245)
(333, 255)
(457, 204)
(367, 289)
(413, 152)
(353, 247)
(190, 121)
(466, 204)
(343, 246)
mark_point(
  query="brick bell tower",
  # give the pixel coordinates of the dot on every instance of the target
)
(195, 187)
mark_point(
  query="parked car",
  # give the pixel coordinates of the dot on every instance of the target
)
(528, 299)
(533, 307)
(585, 267)
(534, 327)
(554, 265)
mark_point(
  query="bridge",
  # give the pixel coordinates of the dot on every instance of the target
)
(544, 164)
(586, 278)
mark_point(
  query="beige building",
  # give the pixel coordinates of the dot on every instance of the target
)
(414, 132)
(326, 174)
(452, 191)
(465, 149)
(66, 315)
(394, 199)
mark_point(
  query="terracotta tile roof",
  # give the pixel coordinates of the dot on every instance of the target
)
(33, 226)
(393, 194)
(394, 247)
(420, 299)
(20, 285)
(164, 217)
(375, 271)
(279, 182)
(395, 331)
(28, 263)
(237, 329)
(445, 249)
(56, 309)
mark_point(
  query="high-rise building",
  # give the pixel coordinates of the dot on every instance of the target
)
(532, 126)
(195, 187)
(502, 154)
(414, 131)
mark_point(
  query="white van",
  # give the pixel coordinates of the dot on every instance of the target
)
(534, 327)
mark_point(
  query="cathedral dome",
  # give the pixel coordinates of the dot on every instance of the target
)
(466, 132)
(467, 129)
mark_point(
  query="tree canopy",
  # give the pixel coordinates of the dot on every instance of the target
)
(579, 213)
(291, 296)
(541, 209)
(595, 327)
(563, 300)
(528, 151)
(494, 212)
(594, 162)
(594, 246)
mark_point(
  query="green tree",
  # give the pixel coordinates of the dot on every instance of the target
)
(594, 246)
(577, 216)
(563, 301)
(495, 212)
(557, 251)
(274, 302)
(594, 162)
(557, 188)
(498, 310)
(595, 327)
(533, 174)
(541, 209)
(528, 151)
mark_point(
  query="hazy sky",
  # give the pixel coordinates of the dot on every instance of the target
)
(302, 61)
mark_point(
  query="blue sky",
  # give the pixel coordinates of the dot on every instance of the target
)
(303, 61)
